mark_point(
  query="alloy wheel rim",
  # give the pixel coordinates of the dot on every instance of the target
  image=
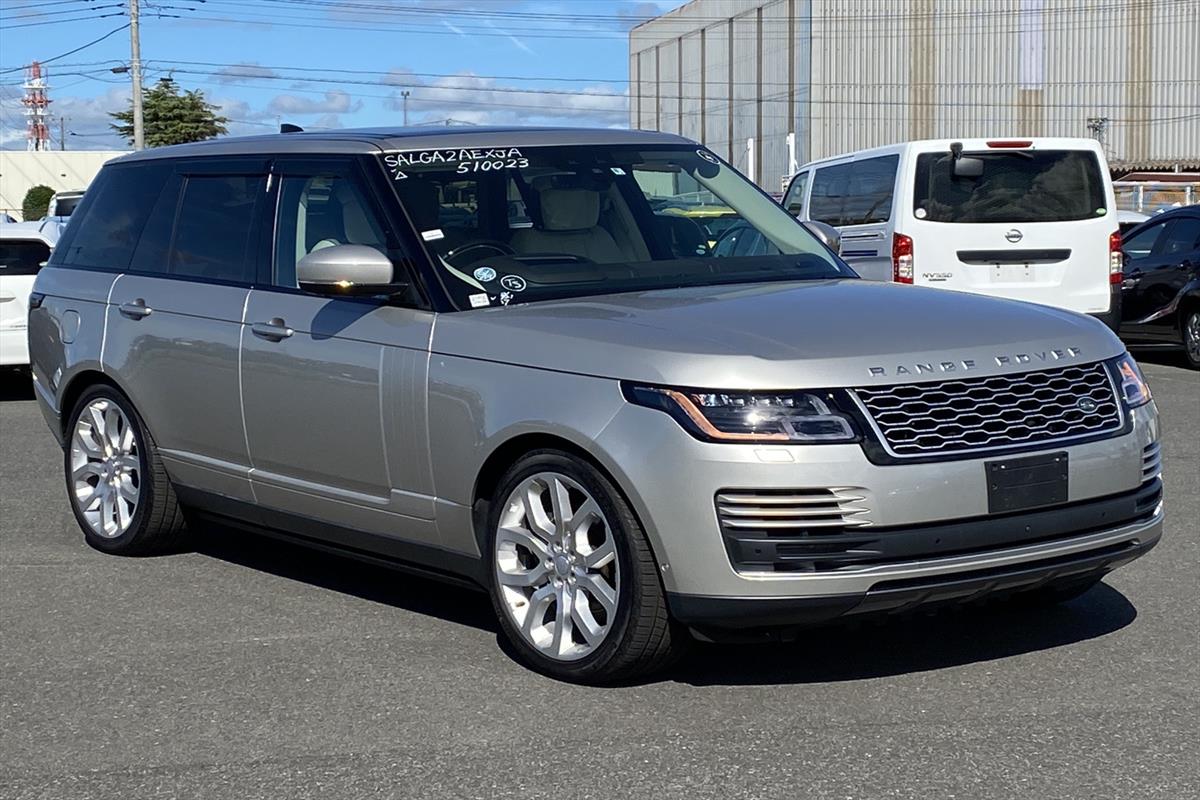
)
(105, 468)
(556, 566)
(1192, 334)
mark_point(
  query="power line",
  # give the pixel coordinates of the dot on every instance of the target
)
(70, 52)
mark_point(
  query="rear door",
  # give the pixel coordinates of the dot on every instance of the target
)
(20, 260)
(175, 315)
(1034, 226)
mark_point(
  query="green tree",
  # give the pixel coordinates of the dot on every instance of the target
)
(171, 117)
(36, 203)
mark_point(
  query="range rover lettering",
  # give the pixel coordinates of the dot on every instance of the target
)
(501, 356)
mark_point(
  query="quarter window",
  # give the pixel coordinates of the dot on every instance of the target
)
(111, 217)
(1183, 237)
(1141, 244)
(212, 231)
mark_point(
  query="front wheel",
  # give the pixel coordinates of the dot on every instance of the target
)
(573, 580)
(118, 488)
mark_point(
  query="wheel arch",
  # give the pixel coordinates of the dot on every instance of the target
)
(74, 388)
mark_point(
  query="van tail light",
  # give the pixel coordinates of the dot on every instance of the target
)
(1116, 261)
(1017, 143)
(902, 258)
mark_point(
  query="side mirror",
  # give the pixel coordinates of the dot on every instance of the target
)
(828, 234)
(967, 167)
(346, 269)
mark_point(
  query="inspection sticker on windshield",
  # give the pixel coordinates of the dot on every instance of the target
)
(479, 300)
(433, 235)
(514, 283)
(617, 171)
(484, 274)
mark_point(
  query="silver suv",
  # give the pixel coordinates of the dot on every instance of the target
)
(520, 358)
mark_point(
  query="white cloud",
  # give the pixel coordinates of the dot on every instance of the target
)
(334, 102)
(237, 73)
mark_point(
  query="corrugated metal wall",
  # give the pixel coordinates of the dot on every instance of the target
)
(849, 74)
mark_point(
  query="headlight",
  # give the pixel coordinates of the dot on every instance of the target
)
(1132, 384)
(767, 417)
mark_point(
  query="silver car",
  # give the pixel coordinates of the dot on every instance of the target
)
(512, 358)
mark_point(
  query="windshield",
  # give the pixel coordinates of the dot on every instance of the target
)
(516, 225)
(1016, 186)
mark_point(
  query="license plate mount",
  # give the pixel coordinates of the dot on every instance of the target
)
(1016, 484)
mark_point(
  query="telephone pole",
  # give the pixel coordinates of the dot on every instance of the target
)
(62, 133)
(405, 95)
(135, 71)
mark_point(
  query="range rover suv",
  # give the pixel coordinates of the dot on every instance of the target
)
(482, 355)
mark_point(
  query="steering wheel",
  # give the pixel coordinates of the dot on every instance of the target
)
(495, 245)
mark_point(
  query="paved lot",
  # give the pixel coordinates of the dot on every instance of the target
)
(252, 669)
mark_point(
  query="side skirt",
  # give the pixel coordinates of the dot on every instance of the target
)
(419, 559)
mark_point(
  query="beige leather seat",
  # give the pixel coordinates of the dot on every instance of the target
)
(570, 224)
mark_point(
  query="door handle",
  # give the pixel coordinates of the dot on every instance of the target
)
(135, 309)
(273, 331)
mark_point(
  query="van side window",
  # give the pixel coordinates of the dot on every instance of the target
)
(794, 201)
(22, 256)
(829, 194)
(857, 193)
(320, 211)
(212, 231)
(115, 210)
(869, 192)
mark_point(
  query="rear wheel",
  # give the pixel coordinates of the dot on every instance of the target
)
(573, 580)
(1190, 325)
(118, 488)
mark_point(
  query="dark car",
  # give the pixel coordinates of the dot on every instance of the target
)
(1160, 293)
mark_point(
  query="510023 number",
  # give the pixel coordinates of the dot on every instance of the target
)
(488, 166)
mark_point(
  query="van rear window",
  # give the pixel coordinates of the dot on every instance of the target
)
(1016, 186)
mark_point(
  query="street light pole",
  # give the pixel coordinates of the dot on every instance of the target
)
(405, 95)
(135, 71)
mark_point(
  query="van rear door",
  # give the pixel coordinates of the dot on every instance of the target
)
(1033, 224)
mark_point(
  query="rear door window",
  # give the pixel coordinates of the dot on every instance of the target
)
(1183, 237)
(869, 190)
(829, 194)
(213, 228)
(1016, 186)
(22, 256)
(1142, 243)
(105, 228)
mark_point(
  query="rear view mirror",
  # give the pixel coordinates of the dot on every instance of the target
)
(967, 167)
(346, 269)
(828, 234)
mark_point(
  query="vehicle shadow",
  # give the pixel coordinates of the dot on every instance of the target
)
(1161, 356)
(950, 638)
(842, 652)
(15, 384)
(367, 581)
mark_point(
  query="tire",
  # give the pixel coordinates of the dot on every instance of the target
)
(608, 550)
(1189, 327)
(107, 468)
(1056, 593)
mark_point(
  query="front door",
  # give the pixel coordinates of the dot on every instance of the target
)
(334, 388)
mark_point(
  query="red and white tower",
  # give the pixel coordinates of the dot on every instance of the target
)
(37, 105)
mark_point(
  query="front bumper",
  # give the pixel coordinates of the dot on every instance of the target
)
(672, 479)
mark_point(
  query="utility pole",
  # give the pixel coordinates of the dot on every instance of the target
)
(135, 71)
(62, 133)
(405, 95)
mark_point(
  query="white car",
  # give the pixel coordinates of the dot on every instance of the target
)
(1026, 219)
(24, 248)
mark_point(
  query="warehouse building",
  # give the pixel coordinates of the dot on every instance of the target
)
(61, 170)
(770, 84)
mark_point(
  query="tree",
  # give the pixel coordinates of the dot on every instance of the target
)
(36, 202)
(172, 118)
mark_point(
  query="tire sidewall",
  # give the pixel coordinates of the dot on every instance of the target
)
(146, 499)
(1184, 319)
(630, 592)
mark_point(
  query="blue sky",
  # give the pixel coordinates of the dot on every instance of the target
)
(330, 63)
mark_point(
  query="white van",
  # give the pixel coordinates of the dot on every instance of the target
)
(1028, 219)
(24, 248)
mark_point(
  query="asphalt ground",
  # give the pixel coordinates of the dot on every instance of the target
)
(253, 669)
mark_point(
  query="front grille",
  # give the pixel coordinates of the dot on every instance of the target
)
(1151, 461)
(957, 416)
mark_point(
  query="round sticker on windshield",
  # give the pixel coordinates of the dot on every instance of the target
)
(1100, 212)
(709, 157)
(920, 213)
(514, 283)
(485, 274)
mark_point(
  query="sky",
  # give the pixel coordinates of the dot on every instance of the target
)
(328, 63)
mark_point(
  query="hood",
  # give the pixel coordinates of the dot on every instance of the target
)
(822, 334)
